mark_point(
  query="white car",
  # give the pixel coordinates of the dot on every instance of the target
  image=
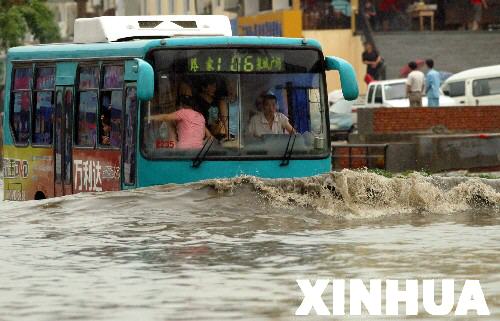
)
(392, 93)
(343, 114)
(474, 87)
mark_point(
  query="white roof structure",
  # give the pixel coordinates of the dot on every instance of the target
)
(122, 28)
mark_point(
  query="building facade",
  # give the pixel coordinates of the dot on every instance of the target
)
(189, 7)
(167, 7)
(66, 11)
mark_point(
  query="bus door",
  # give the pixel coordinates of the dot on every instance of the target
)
(63, 142)
(129, 149)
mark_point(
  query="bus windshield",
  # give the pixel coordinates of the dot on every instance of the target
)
(249, 99)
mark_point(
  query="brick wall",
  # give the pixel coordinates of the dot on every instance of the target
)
(453, 119)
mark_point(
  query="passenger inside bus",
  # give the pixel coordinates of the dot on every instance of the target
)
(111, 112)
(229, 109)
(269, 120)
(207, 102)
(205, 99)
(189, 123)
(105, 129)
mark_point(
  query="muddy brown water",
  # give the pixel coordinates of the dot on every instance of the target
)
(232, 249)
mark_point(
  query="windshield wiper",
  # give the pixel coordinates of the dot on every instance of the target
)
(202, 154)
(285, 160)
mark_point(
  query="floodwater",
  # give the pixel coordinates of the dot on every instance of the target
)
(232, 249)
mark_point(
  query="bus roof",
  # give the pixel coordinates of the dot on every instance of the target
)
(139, 48)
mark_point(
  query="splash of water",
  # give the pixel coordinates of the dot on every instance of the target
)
(347, 194)
(362, 194)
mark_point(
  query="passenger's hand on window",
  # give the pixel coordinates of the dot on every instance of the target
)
(106, 140)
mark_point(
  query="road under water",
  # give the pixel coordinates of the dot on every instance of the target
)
(232, 249)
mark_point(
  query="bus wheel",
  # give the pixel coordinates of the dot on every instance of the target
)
(39, 196)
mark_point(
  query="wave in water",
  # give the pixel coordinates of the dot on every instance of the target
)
(362, 194)
(347, 194)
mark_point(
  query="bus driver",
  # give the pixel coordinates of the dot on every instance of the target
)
(269, 121)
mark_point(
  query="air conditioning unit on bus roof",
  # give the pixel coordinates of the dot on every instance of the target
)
(123, 28)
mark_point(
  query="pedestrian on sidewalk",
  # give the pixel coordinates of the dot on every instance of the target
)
(477, 12)
(370, 14)
(432, 84)
(415, 85)
(387, 10)
(373, 62)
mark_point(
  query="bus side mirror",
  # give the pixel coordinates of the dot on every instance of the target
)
(347, 76)
(145, 80)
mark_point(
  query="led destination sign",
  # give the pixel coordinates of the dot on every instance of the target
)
(236, 62)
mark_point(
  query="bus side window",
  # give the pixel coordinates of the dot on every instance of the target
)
(111, 106)
(44, 106)
(86, 110)
(20, 119)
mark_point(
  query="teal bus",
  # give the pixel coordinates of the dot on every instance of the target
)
(102, 113)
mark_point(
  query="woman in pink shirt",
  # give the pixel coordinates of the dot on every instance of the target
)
(190, 124)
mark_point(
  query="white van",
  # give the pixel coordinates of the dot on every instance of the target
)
(474, 87)
(392, 93)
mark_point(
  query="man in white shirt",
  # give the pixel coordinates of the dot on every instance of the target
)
(269, 121)
(415, 85)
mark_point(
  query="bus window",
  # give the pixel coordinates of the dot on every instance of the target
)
(86, 110)
(111, 106)
(182, 134)
(230, 86)
(44, 106)
(21, 105)
(286, 100)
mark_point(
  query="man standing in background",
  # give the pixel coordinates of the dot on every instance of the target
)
(415, 85)
(432, 84)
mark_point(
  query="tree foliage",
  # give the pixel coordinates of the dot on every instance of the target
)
(17, 17)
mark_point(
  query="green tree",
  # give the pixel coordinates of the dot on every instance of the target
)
(17, 17)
